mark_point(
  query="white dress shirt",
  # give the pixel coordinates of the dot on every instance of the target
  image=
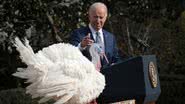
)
(94, 33)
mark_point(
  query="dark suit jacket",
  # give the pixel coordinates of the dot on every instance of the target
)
(111, 50)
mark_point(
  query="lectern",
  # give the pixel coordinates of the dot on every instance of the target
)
(135, 78)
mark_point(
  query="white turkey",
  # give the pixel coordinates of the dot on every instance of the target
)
(59, 71)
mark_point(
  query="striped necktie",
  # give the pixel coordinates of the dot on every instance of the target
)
(101, 44)
(99, 40)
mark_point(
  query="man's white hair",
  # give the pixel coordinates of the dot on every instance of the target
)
(97, 5)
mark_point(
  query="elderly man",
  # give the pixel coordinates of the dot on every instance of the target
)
(94, 33)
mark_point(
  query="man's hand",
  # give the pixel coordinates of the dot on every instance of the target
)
(86, 41)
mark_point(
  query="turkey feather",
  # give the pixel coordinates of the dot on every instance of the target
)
(59, 72)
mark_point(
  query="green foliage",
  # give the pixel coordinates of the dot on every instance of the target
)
(140, 26)
(17, 96)
(172, 90)
(43, 22)
(182, 21)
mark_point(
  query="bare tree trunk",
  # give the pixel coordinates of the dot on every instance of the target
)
(145, 36)
(54, 29)
(130, 47)
(56, 36)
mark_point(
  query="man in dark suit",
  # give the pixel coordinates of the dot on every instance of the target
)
(83, 37)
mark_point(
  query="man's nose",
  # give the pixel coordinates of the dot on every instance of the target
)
(98, 19)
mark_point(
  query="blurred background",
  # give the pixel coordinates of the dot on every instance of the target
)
(141, 27)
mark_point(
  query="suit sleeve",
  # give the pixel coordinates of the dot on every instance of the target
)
(75, 38)
(116, 56)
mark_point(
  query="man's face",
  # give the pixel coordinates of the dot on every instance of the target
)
(97, 18)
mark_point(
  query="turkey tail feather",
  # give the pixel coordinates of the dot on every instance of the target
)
(26, 52)
(59, 72)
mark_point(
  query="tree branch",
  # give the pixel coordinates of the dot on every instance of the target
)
(130, 47)
(56, 36)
